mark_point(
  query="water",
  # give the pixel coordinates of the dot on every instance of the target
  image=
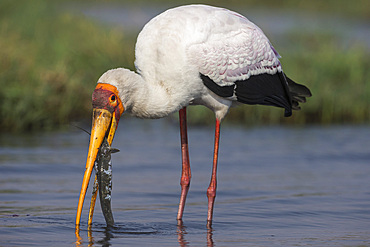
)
(277, 186)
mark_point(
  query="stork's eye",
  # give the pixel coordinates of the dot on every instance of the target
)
(113, 99)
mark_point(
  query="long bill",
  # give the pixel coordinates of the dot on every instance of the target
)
(104, 124)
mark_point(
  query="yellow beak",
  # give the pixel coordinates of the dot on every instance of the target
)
(104, 125)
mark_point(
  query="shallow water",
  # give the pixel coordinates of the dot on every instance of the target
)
(277, 186)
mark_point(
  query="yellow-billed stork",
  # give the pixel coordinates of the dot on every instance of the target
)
(191, 55)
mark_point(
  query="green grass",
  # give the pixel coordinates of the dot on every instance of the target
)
(338, 78)
(50, 61)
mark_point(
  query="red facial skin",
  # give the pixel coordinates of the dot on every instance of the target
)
(105, 96)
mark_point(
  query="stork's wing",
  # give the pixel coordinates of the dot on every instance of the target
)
(236, 55)
(242, 65)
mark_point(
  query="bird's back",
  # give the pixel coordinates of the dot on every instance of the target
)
(169, 43)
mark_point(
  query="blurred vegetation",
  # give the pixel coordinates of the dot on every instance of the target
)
(358, 8)
(50, 61)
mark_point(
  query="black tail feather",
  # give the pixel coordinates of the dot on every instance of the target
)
(298, 93)
(264, 89)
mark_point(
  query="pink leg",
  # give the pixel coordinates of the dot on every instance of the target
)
(186, 173)
(211, 191)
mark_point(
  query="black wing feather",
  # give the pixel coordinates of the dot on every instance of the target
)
(222, 91)
(264, 89)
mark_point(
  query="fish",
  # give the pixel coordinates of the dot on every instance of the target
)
(103, 168)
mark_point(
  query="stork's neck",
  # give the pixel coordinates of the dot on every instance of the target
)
(139, 97)
(150, 100)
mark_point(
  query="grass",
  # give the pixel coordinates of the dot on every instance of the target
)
(338, 78)
(50, 61)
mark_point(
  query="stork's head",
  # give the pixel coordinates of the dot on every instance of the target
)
(107, 110)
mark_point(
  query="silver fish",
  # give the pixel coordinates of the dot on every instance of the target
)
(103, 167)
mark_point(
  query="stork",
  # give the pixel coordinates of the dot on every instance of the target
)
(191, 55)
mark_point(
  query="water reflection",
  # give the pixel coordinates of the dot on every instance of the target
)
(181, 232)
(209, 237)
(78, 237)
(105, 241)
(90, 236)
(108, 235)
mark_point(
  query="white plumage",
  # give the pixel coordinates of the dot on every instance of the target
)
(192, 55)
(177, 45)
